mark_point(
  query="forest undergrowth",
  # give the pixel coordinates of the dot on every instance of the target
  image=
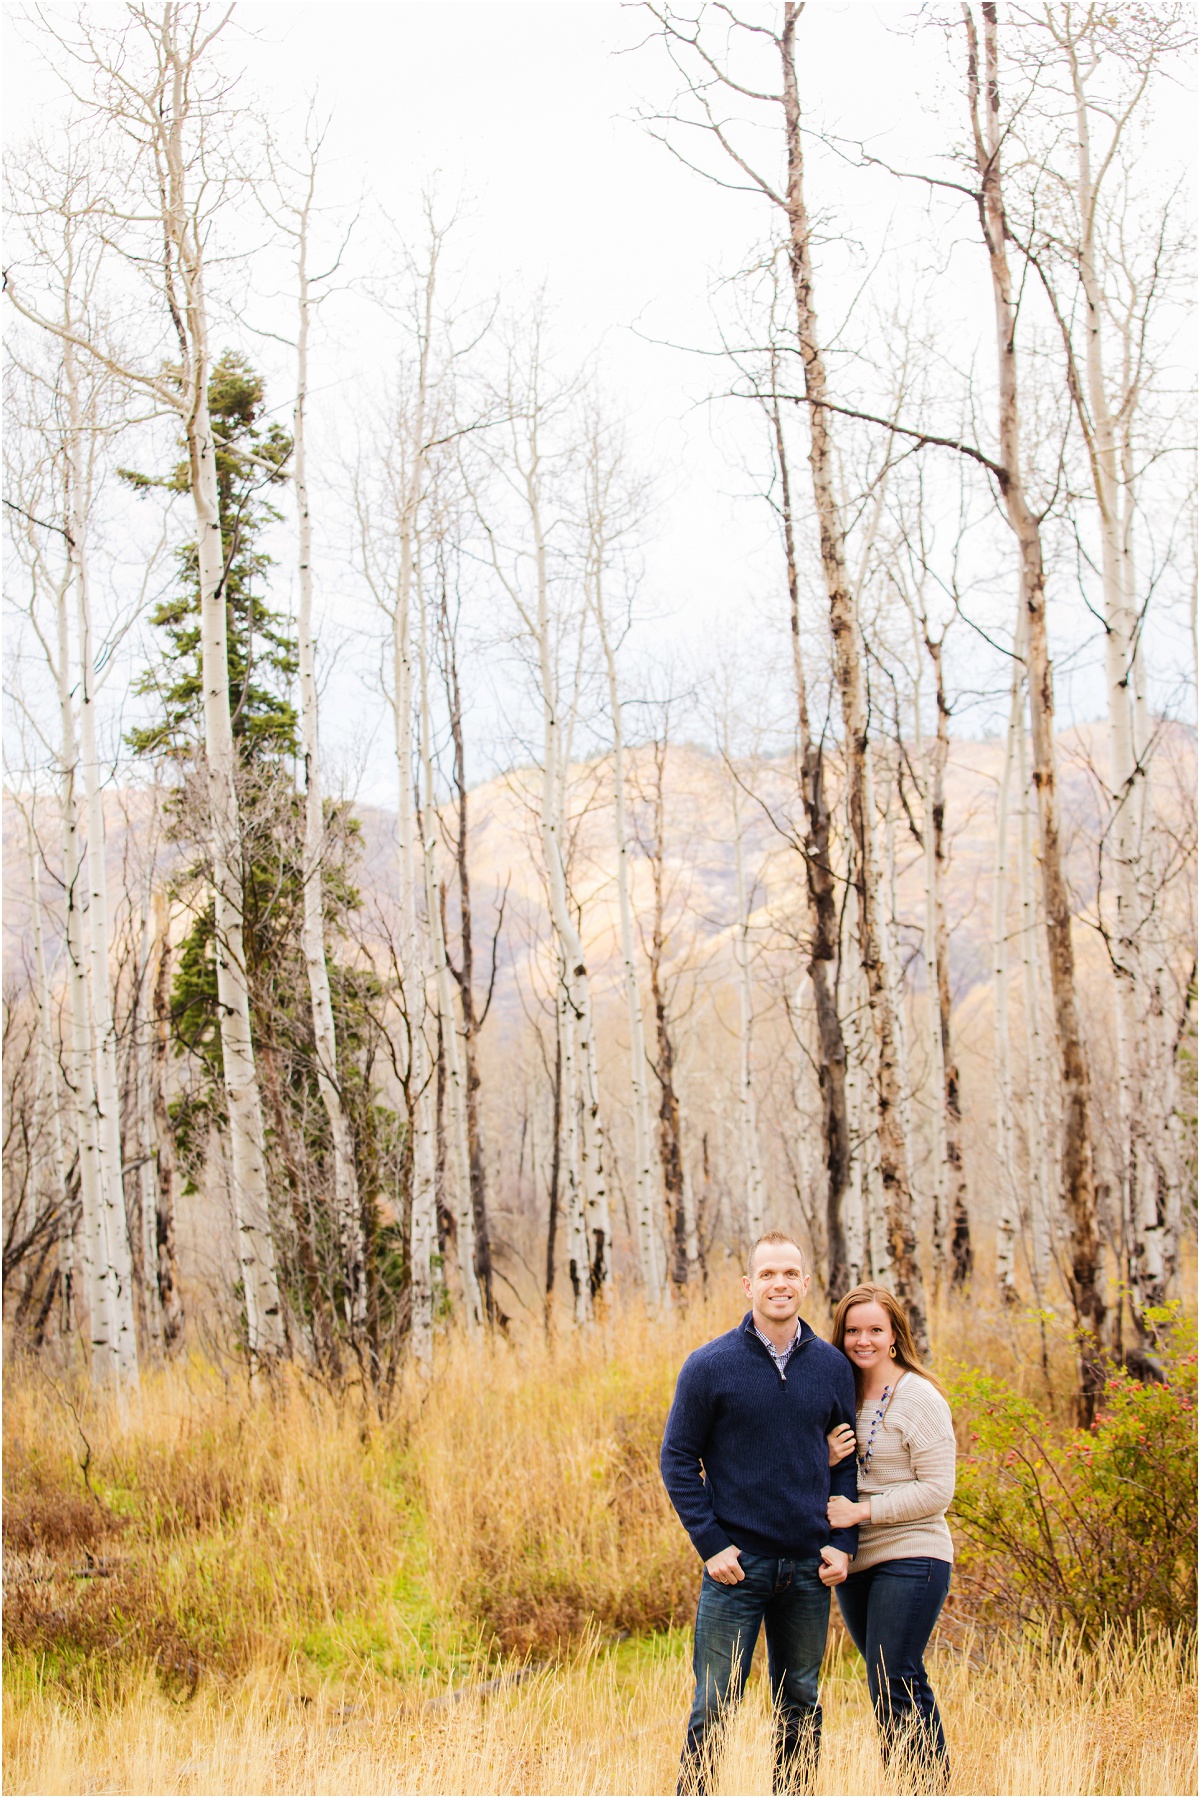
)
(486, 1589)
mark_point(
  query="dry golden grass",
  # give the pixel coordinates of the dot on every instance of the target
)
(226, 1529)
(608, 1722)
(277, 1593)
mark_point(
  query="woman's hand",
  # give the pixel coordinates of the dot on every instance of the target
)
(842, 1442)
(843, 1513)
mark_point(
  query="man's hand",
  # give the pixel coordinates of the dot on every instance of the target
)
(835, 1566)
(842, 1442)
(726, 1569)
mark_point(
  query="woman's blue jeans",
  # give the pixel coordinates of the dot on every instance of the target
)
(790, 1600)
(890, 1610)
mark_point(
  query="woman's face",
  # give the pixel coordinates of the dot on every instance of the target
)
(868, 1335)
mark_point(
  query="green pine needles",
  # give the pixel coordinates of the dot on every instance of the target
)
(252, 459)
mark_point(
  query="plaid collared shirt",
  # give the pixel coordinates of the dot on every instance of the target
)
(781, 1357)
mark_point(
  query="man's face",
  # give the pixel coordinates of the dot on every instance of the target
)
(777, 1282)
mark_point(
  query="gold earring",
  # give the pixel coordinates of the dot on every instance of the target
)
(892, 1351)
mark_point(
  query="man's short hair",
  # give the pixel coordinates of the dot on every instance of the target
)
(775, 1236)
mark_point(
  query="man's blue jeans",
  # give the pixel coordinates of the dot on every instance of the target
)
(789, 1598)
(890, 1610)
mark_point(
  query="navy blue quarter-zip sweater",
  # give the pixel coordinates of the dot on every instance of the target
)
(760, 1440)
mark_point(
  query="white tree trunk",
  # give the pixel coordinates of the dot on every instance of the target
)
(867, 1251)
(1158, 1020)
(166, 1265)
(691, 1222)
(1006, 1222)
(103, 1043)
(756, 1202)
(456, 1097)
(891, 949)
(423, 1223)
(345, 1178)
(524, 473)
(1078, 1169)
(645, 1179)
(578, 989)
(879, 1255)
(1140, 1129)
(97, 1276)
(857, 1256)
(49, 1096)
(937, 1065)
(888, 1138)
(806, 1136)
(147, 1172)
(1041, 1150)
(414, 966)
(570, 1167)
(925, 759)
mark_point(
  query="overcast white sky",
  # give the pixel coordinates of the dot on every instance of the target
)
(528, 111)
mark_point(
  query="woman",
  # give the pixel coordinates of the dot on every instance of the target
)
(901, 1573)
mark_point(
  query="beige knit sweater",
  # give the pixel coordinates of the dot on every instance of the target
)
(910, 1480)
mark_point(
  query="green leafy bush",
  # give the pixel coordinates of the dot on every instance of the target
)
(1082, 1527)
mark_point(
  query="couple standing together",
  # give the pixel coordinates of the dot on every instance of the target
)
(798, 1466)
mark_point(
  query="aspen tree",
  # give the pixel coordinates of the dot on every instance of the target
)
(47, 1077)
(752, 1174)
(678, 1199)
(600, 484)
(1041, 1152)
(857, 1259)
(464, 974)
(345, 1176)
(525, 470)
(166, 1265)
(1126, 774)
(147, 1173)
(871, 925)
(868, 1248)
(683, 37)
(389, 551)
(455, 1084)
(930, 947)
(1078, 1176)
(154, 82)
(102, 1027)
(53, 496)
(570, 1164)
(952, 1231)
(423, 1217)
(75, 273)
(1006, 1225)
(962, 1254)
(821, 889)
(555, 1171)
(799, 1141)
(891, 947)
(1107, 65)
(694, 1250)
(1160, 1195)
(80, 1068)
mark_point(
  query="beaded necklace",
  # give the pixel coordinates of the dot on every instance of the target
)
(864, 1460)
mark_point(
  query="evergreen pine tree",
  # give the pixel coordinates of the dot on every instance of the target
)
(252, 460)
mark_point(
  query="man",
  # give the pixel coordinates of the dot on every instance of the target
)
(746, 1463)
